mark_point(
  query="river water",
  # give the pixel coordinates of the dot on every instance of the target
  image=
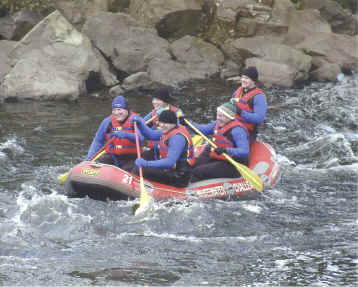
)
(303, 232)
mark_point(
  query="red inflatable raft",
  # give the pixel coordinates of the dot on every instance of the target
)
(103, 182)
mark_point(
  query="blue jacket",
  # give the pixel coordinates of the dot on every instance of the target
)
(259, 107)
(176, 146)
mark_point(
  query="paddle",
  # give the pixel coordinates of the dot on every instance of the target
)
(246, 172)
(144, 198)
(63, 177)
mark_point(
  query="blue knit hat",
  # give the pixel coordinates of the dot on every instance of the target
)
(119, 102)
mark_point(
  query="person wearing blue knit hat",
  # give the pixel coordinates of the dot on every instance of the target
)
(118, 128)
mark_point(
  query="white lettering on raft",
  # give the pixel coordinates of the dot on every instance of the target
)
(220, 190)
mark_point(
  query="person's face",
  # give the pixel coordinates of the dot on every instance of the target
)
(166, 127)
(221, 119)
(246, 82)
(157, 104)
(120, 114)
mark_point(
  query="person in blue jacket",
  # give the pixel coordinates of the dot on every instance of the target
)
(171, 162)
(250, 102)
(231, 137)
(119, 129)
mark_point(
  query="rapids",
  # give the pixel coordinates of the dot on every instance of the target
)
(303, 232)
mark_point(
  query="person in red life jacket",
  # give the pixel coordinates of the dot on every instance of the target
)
(122, 150)
(171, 163)
(231, 137)
(161, 102)
(250, 102)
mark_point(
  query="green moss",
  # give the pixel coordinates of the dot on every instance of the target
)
(41, 6)
(297, 4)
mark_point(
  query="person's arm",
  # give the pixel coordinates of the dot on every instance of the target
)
(147, 116)
(128, 135)
(99, 140)
(206, 129)
(241, 140)
(176, 146)
(146, 131)
(259, 110)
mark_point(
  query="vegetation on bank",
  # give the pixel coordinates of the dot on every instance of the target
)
(44, 7)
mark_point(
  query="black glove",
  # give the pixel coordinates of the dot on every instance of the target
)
(238, 110)
(220, 150)
(182, 121)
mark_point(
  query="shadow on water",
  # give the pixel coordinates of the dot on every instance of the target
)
(134, 275)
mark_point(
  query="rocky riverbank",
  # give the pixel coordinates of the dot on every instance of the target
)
(140, 45)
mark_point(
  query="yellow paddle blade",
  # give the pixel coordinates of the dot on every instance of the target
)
(62, 177)
(144, 196)
(197, 140)
(145, 200)
(250, 176)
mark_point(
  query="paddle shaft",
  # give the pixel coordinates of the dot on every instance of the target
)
(143, 194)
(151, 119)
(247, 173)
(101, 151)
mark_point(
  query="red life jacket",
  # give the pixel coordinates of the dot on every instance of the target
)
(187, 155)
(220, 137)
(121, 146)
(243, 101)
(155, 123)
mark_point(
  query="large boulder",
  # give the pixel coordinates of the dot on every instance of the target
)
(201, 59)
(77, 11)
(274, 73)
(129, 46)
(172, 18)
(292, 63)
(195, 60)
(303, 23)
(341, 20)
(323, 70)
(15, 26)
(53, 61)
(233, 19)
(168, 72)
(7, 27)
(5, 49)
(334, 48)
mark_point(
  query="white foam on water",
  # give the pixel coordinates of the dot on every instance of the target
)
(12, 143)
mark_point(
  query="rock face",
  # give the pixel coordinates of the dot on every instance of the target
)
(5, 49)
(277, 63)
(139, 44)
(130, 46)
(341, 21)
(77, 11)
(173, 19)
(53, 61)
(334, 48)
(14, 27)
